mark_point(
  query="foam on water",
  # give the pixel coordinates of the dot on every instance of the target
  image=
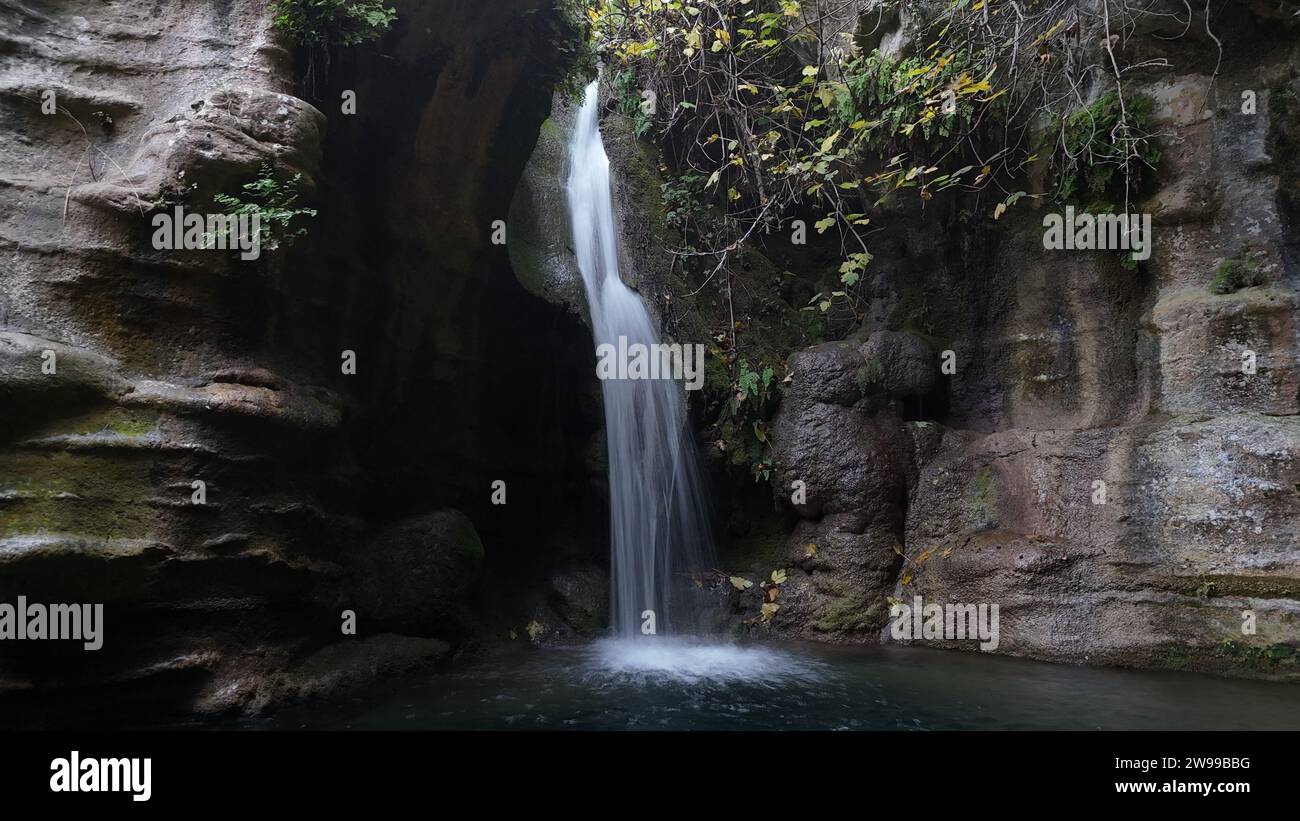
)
(691, 661)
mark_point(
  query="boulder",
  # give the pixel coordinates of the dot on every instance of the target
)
(414, 571)
(902, 363)
(579, 595)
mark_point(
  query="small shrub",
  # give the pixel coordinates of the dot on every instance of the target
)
(868, 375)
(332, 22)
(1265, 656)
(627, 93)
(276, 204)
(1095, 164)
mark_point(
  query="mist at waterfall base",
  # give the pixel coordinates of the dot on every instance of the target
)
(659, 521)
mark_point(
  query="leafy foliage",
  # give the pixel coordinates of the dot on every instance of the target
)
(771, 111)
(1104, 147)
(276, 204)
(328, 23)
(630, 104)
(776, 106)
(1265, 656)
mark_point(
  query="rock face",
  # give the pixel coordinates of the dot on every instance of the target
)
(178, 438)
(839, 437)
(1107, 468)
(541, 245)
(541, 237)
(1111, 457)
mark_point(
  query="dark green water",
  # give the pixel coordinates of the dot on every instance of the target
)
(806, 687)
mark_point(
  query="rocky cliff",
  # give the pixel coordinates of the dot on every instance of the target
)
(1112, 457)
(182, 437)
(231, 454)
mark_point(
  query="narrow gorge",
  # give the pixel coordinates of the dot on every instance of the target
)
(382, 453)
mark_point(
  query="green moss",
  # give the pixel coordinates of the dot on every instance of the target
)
(979, 502)
(1229, 658)
(1236, 273)
(89, 492)
(1255, 587)
(1175, 656)
(134, 427)
(849, 611)
(1263, 657)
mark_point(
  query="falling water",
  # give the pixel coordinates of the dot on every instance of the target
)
(659, 527)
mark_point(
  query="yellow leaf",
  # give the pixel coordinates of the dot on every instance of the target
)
(826, 93)
(778, 576)
(769, 610)
(722, 35)
(740, 583)
(810, 550)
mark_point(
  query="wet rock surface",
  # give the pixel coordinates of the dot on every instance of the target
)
(1112, 459)
(129, 373)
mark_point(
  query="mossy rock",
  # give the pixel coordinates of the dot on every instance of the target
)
(1236, 273)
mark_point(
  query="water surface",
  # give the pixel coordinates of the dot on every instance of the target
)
(663, 685)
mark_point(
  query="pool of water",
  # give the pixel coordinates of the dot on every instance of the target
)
(666, 685)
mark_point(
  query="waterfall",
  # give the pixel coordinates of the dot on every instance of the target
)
(659, 527)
